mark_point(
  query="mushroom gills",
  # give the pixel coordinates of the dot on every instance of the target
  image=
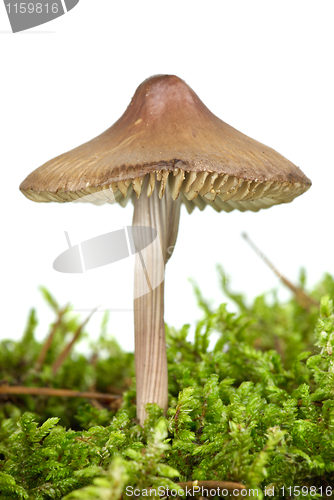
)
(197, 189)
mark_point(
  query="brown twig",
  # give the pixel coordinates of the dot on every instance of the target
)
(63, 355)
(48, 391)
(304, 300)
(48, 341)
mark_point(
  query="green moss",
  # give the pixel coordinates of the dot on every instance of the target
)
(255, 406)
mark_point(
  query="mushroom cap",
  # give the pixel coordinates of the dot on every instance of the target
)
(168, 135)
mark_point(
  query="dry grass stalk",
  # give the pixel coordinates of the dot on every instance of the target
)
(63, 355)
(49, 391)
(304, 300)
(49, 339)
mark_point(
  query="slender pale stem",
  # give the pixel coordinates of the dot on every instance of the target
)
(150, 345)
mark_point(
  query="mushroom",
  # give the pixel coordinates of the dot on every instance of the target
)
(166, 149)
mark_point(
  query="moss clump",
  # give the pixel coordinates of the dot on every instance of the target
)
(256, 406)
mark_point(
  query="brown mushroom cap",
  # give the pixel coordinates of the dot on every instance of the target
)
(168, 135)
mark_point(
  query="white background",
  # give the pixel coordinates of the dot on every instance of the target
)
(265, 68)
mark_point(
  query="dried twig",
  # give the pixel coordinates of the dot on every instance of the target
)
(63, 355)
(48, 391)
(304, 300)
(48, 341)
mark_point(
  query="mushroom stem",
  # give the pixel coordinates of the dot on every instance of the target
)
(150, 344)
